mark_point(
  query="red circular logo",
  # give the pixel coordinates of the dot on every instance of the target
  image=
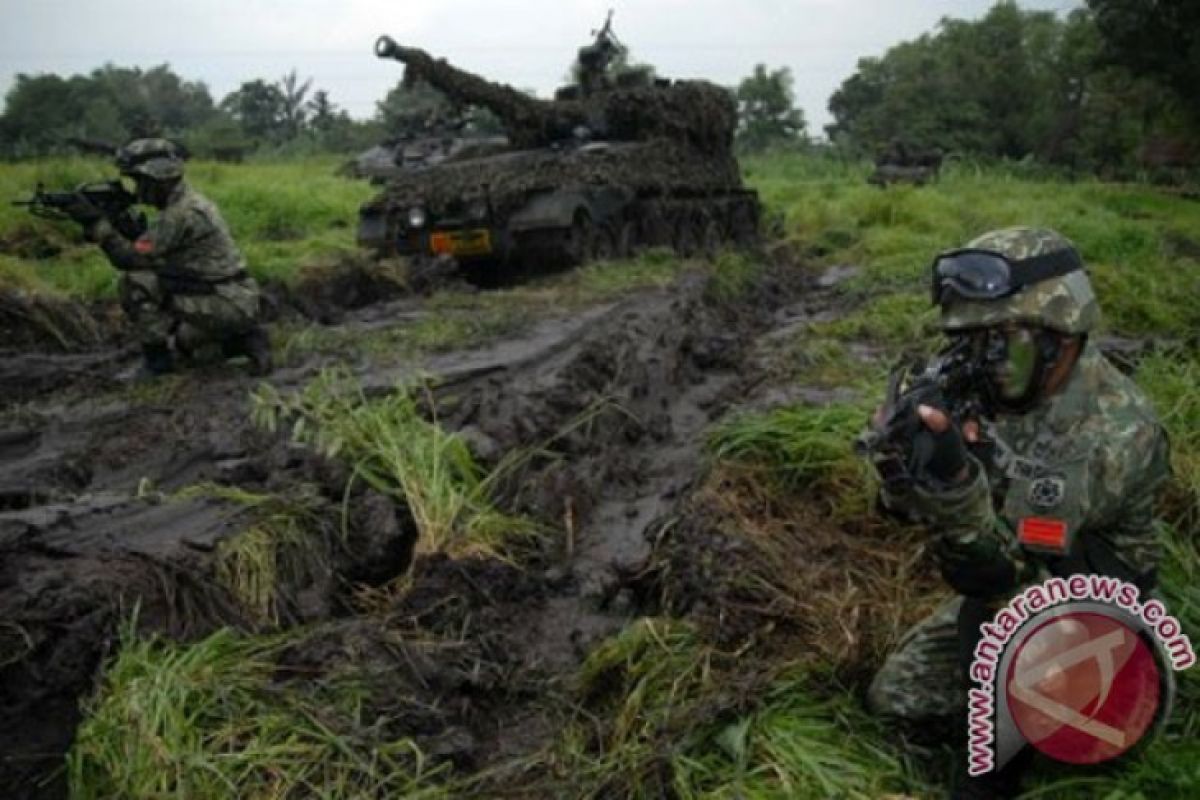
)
(1083, 688)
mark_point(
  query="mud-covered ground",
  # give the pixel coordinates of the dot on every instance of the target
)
(100, 515)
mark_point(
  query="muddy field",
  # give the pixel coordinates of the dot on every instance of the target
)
(100, 516)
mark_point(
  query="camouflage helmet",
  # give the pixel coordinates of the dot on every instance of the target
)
(158, 159)
(1065, 303)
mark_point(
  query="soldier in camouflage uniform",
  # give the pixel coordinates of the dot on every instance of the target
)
(183, 281)
(1086, 451)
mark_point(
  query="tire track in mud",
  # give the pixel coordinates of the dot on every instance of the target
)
(78, 547)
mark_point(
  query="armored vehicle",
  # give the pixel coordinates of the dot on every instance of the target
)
(394, 157)
(902, 163)
(608, 166)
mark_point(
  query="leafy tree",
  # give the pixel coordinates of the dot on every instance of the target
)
(1157, 39)
(111, 104)
(1010, 85)
(323, 114)
(259, 107)
(767, 116)
(293, 109)
(411, 106)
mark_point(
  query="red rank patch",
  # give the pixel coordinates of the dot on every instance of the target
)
(144, 246)
(1042, 532)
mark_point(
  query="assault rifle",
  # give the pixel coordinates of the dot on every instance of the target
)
(113, 201)
(952, 380)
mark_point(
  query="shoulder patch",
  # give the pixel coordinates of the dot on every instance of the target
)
(1043, 534)
(143, 246)
(1047, 492)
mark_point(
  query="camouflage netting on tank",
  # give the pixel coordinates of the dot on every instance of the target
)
(698, 113)
(660, 167)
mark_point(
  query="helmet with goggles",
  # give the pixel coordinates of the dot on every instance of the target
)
(154, 158)
(1024, 276)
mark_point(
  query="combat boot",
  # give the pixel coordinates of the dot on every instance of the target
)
(156, 360)
(254, 345)
(258, 349)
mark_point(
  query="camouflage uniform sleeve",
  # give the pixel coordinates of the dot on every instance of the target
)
(975, 549)
(149, 251)
(1128, 473)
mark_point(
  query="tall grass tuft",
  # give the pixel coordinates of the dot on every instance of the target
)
(283, 548)
(658, 701)
(396, 451)
(795, 446)
(208, 720)
(799, 744)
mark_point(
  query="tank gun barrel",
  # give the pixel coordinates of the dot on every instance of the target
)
(387, 47)
(694, 112)
(527, 120)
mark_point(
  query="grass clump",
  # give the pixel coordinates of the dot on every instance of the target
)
(648, 685)
(798, 744)
(392, 447)
(208, 720)
(794, 446)
(1170, 378)
(658, 702)
(279, 550)
(732, 274)
(894, 319)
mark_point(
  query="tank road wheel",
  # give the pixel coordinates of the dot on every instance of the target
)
(687, 235)
(625, 239)
(656, 228)
(712, 238)
(743, 226)
(603, 245)
(578, 244)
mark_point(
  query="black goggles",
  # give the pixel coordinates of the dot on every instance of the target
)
(987, 275)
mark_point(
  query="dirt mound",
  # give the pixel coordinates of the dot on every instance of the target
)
(824, 590)
(43, 322)
(613, 399)
(68, 574)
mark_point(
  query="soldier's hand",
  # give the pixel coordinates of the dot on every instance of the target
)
(940, 451)
(82, 210)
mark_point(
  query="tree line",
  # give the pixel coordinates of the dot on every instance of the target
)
(1108, 88)
(45, 113)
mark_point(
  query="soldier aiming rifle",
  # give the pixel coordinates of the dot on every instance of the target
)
(184, 284)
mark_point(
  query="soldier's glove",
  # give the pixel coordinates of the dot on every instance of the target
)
(83, 211)
(97, 230)
(939, 455)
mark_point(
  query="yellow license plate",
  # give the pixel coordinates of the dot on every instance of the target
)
(476, 242)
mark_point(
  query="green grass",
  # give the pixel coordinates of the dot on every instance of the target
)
(657, 725)
(796, 446)
(392, 447)
(803, 742)
(279, 550)
(284, 215)
(1140, 246)
(1130, 235)
(659, 709)
(209, 720)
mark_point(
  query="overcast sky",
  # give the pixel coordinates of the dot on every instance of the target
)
(527, 43)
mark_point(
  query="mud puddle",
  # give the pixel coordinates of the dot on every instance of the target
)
(616, 397)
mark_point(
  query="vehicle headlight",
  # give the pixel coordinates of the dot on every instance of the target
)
(477, 209)
(416, 217)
